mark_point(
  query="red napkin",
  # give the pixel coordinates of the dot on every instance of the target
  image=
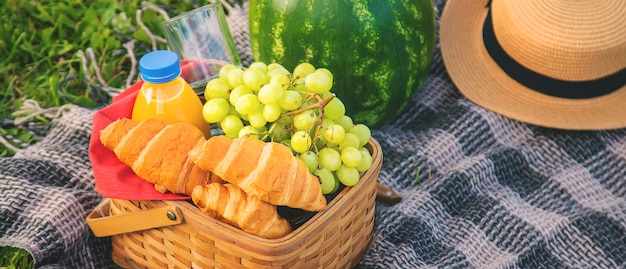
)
(115, 179)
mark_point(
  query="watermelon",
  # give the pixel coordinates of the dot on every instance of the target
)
(379, 51)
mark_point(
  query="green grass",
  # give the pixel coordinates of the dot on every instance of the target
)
(15, 258)
(41, 43)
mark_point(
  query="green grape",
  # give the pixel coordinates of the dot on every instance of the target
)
(263, 129)
(318, 82)
(326, 122)
(291, 100)
(281, 79)
(225, 69)
(335, 109)
(273, 66)
(215, 110)
(253, 78)
(326, 94)
(366, 160)
(350, 140)
(231, 125)
(300, 141)
(278, 71)
(256, 117)
(310, 159)
(280, 132)
(345, 122)
(235, 77)
(327, 180)
(287, 142)
(271, 112)
(271, 93)
(284, 120)
(238, 92)
(334, 133)
(322, 143)
(249, 131)
(299, 87)
(315, 133)
(247, 103)
(348, 176)
(325, 72)
(217, 88)
(337, 185)
(351, 157)
(303, 69)
(304, 120)
(329, 158)
(259, 65)
(363, 132)
(232, 111)
(244, 117)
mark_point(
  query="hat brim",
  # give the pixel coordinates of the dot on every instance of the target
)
(479, 78)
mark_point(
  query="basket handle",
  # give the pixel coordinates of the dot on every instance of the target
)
(103, 224)
(387, 195)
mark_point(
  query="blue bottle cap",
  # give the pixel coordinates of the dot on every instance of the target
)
(159, 66)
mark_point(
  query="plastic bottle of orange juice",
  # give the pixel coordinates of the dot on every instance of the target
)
(165, 95)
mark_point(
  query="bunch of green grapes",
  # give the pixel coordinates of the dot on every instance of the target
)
(270, 103)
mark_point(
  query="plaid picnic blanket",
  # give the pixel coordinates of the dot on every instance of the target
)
(479, 191)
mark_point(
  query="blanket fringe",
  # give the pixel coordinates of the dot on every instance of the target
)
(29, 110)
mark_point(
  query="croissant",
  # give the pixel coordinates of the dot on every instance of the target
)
(231, 205)
(266, 170)
(157, 152)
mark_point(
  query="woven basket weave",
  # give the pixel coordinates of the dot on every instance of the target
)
(334, 238)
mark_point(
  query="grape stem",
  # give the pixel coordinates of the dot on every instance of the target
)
(321, 103)
(268, 132)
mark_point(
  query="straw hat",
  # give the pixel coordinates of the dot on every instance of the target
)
(553, 63)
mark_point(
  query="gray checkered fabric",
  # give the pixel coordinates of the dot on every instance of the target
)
(47, 191)
(479, 191)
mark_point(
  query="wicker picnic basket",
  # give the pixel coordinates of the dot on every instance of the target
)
(182, 236)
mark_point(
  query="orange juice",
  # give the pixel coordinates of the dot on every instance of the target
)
(165, 95)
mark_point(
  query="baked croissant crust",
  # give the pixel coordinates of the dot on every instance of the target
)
(230, 204)
(177, 158)
(157, 152)
(267, 170)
